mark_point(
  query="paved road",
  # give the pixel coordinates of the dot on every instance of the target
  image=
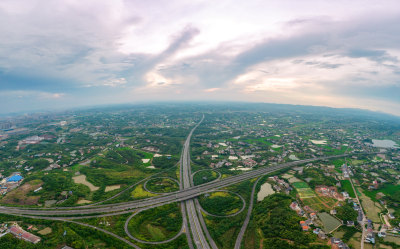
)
(181, 195)
(86, 225)
(247, 220)
(195, 226)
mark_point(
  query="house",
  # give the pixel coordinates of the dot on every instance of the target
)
(381, 234)
(391, 216)
(350, 223)
(37, 190)
(322, 235)
(15, 178)
(370, 238)
(22, 234)
(337, 243)
(313, 216)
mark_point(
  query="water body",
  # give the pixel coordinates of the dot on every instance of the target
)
(384, 143)
(265, 190)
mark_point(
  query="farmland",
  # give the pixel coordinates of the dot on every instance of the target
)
(304, 190)
(346, 185)
(330, 222)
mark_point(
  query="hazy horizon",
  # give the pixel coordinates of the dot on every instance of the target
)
(66, 54)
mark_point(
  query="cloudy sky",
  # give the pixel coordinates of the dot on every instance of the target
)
(57, 54)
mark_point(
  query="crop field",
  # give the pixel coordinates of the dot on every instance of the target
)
(300, 185)
(305, 193)
(347, 187)
(372, 209)
(330, 222)
(304, 190)
(319, 203)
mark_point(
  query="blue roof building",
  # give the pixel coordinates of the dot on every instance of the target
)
(15, 178)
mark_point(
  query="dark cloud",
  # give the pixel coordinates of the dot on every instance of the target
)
(375, 55)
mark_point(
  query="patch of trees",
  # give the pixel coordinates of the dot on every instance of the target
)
(317, 178)
(348, 232)
(164, 162)
(220, 205)
(77, 236)
(57, 182)
(38, 164)
(280, 225)
(346, 212)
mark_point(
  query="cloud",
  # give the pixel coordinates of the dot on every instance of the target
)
(115, 82)
(210, 90)
(375, 55)
(112, 51)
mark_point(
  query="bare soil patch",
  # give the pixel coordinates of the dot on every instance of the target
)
(82, 180)
(112, 187)
(45, 231)
(19, 195)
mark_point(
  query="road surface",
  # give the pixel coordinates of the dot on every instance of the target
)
(247, 220)
(198, 236)
(181, 195)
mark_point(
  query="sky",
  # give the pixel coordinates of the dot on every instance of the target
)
(71, 53)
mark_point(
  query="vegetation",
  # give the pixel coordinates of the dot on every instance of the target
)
(346, 186)
(346, 212)
(76, 236)
(164, 162)
(162, 185)
(157, 224)
(220, 203)
(280, 225)
(204, 176)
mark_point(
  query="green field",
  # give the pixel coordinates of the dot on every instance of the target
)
(387, 189)
(204, 176)
(221, 203)
(304, 190)
(338, 164)
(318, 203)
(330, 222)
(346, 185)
(306, 193)
(156, 224)
(162, 185)
(300, 185)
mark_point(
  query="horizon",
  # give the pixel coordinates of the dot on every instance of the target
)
(58, 55)
(357, 111)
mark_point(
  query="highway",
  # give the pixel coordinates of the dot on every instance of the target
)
(239, 238)
(181, 195)
(195, 226)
